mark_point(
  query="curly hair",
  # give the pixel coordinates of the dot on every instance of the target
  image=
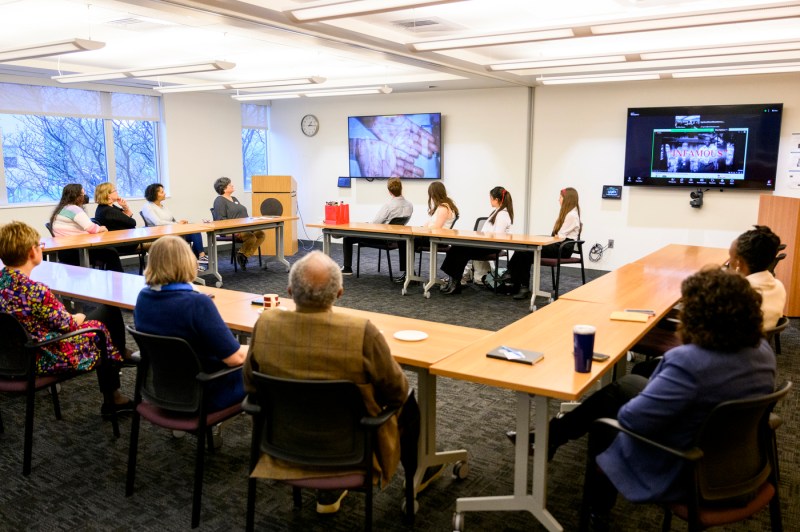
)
(758, 247)
(221, 184)
(720, 311)
(151, 192)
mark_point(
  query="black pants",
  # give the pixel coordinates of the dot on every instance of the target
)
(108, 373)
(604, 403)
(519, 266)
(108, 256)
(458, 256)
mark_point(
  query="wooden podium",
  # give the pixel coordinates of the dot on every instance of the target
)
(274, 195)
(782, 215)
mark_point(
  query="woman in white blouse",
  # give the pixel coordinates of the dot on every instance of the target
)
(155, 212)
(567, 226)
(498, 222)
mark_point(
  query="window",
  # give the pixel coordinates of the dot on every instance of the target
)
(53, 136)
(254, 142)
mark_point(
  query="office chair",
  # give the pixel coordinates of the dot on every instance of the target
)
(170, 392)
(733, 466)
(555, 263)
(18, 352)
(317, 424)
(232, 239)
(380, 245)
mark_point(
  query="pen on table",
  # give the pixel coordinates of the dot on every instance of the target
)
(641, 311)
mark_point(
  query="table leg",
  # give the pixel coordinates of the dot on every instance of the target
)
(84, 258)
(431, 269)
(326, 242)
(409, 240)
(279, 246)
(536, 277)
(427, 455)
(213, 257)
(521, 500)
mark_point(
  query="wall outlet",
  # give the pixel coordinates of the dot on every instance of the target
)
(610, 243)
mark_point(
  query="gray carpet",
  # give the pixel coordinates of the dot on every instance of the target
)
(78, 476)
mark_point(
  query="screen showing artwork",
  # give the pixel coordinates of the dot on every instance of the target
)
(405, 146)
(720, 146)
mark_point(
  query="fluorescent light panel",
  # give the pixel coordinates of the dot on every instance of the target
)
(353, 91)
(688, 21)
(55, 48)
(241, 85)
(492, 40)
(547, 63)
(145, 73)
(355, 8)
(598, 79)
(191, 88)
(257, 97)
(741, 71)
(727, 50)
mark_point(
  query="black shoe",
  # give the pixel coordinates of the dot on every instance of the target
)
(347, 271)
(242, 260)
(107, 410)
(551, 451)
(522, 294)
(401, 279)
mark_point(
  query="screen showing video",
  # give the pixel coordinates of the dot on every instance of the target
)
(405, 146)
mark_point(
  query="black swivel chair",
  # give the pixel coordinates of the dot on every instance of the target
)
(170, 391)
(380, 245)
(318, 424)
(733, 465)
(555, 263)
(18, 353)
(232, 240)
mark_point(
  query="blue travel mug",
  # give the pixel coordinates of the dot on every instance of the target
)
(583, 339)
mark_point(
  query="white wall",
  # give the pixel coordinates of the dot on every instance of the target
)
(483, 145)
(578, 140)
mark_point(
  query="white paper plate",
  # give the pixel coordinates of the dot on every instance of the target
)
(410, 335)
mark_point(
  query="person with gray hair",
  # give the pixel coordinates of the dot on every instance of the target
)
(314, 342)
(227, 207)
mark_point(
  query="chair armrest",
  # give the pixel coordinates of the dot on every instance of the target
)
(692, 454)
(380, 419)
(251, 406)
(205, 377)
(34, 345)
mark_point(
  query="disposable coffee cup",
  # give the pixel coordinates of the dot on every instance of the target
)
(583, 339)
(271, 300)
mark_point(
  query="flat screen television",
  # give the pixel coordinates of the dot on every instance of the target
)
(719, 146)
(405, 146)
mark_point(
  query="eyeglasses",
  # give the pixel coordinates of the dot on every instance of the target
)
(40, 244)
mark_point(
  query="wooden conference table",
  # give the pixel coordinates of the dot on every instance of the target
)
(238, 312)
(437, 237)
(147, 234)
(651, 283)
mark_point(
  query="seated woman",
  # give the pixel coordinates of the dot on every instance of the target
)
(226, 207)
(114, 217)
(69, 219)
(443, 213)
(750, 255)
(155, 212)
(567, 226)
(192, 316)
(44, 316)
(723, 357)
(498, 222)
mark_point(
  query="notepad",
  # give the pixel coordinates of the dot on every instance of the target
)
(621, 315)
(513, 354)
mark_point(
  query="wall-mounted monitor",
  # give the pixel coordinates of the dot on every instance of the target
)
(719, 146)
(405, 146)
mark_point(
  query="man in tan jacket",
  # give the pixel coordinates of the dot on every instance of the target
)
(315, 343)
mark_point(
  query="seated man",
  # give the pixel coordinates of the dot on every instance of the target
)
(396, 207)
(315, 343)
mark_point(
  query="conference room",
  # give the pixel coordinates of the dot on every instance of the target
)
(498, 127)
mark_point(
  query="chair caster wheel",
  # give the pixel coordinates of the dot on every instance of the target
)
(218, 284)
(403, 292)
(178, 434)
(58, 388)
(460, 470)
(458, 522)
(427, 295)
(416, 506)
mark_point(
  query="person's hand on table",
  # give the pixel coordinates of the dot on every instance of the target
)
(183, 221)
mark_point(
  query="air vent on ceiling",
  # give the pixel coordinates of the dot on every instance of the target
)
(136, 24)
(433, 24)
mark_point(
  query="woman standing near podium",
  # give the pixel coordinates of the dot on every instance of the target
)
(227, 207)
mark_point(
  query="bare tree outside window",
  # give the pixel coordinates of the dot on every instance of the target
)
(254, 154)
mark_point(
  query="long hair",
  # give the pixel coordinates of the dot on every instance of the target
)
(569, 202)
(504, 197)
(71, 195)
(437, 195)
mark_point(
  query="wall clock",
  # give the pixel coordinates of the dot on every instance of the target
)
(309, 125)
